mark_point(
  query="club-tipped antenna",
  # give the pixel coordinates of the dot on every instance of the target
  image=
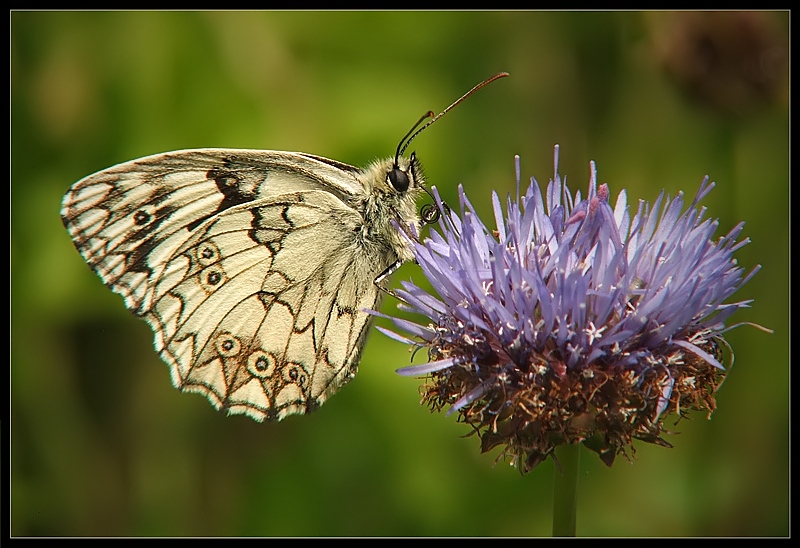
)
(405, 141)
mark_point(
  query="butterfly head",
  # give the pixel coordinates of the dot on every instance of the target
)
(401, 177)
(398, 177)
(406, 174)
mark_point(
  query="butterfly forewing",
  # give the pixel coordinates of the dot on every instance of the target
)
(252, 268)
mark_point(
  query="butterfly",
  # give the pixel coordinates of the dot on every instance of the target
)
(254, 268)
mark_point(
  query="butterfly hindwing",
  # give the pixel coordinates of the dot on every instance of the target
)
(260, 309)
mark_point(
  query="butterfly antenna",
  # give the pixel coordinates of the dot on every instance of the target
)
(400, 147)
(405, 141)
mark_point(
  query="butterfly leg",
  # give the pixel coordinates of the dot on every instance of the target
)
(383, 276)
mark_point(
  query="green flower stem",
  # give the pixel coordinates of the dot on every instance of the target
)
(565, 490)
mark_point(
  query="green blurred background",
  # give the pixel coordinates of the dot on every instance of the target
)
(101, 444)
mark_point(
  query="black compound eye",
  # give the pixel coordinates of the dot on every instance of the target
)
(398, 179)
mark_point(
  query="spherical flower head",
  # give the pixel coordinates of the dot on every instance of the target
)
(573, 321)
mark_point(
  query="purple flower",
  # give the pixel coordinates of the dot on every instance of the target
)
(573, 321)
